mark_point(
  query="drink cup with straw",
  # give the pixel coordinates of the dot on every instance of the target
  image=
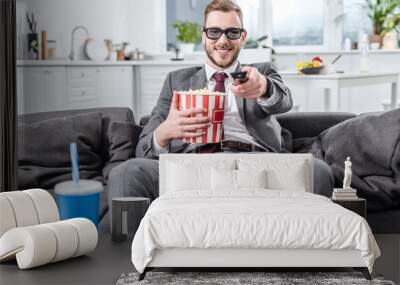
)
(74, 163)
(79, 197)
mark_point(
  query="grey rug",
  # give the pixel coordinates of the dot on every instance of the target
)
(242, 278)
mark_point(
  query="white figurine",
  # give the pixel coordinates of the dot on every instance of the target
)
(347, 174)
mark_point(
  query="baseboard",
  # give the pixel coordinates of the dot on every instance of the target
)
(389, 262)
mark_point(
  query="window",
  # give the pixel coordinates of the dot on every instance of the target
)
(355, 19)
(178, 10)
(298, 23)
(250, 18)
(291, 25)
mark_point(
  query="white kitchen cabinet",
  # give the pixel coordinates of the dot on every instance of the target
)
(150, 79)
(100, 86)
(82, 89)
(43, 89)
(50, 88)
(115, 86)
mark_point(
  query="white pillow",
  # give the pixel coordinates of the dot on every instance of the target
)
(223, 179)
(291, 179)
(281, 173)
(227, 179)
(251, 178)
(185, 177)
(190, 176)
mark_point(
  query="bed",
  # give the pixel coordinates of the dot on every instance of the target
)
(245, 211)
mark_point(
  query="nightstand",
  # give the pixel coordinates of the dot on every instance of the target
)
(358, 206)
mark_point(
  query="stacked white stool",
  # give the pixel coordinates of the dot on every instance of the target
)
(31, 232)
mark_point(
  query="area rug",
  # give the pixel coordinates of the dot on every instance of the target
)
(243, 278)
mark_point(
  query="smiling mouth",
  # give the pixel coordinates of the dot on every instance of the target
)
(224, 51)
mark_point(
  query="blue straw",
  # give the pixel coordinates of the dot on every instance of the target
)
(75, 163)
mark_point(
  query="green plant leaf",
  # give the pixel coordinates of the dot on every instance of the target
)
(383, 14)
(188, 32)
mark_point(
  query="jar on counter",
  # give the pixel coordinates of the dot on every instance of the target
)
(114, 52)
(51, 49)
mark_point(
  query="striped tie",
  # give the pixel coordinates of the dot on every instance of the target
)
(220, 81)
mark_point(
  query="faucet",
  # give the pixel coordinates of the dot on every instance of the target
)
(71, 55)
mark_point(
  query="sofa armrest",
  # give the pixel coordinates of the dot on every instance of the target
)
(144, 120)
(311, 124)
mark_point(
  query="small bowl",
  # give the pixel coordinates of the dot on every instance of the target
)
(312, 70)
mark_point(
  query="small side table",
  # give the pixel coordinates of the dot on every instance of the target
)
(358, 205)
(127, 212)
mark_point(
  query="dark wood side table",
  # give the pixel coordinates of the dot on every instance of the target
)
(358, 205)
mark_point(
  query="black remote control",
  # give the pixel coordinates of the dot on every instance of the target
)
(240, 75)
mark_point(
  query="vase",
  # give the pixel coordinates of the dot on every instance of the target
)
(186, 48)
(33, 46)
(376, 41)
(389, 41)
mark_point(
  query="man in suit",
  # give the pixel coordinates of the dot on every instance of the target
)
(249, 122)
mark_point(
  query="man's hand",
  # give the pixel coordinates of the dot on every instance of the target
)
(180, 124)
(254, 87)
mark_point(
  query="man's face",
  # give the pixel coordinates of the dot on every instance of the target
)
(223, 52)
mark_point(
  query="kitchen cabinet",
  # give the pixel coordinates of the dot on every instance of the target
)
(43, 89)
(50, 88)
(82, 87)
(149, 82)
(115, 86)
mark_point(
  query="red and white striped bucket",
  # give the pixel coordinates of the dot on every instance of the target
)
(214, 102)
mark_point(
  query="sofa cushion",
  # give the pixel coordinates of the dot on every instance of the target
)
(373, 143)
(109, 115)
(43, 149)
(123, 140)
(302, 145)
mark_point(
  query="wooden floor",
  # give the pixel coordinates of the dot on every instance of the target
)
(111, 259)
(103, 266)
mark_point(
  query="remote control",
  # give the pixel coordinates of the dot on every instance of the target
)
(240, 76)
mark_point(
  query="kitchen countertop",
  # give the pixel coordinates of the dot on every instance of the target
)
(197, 58)
(66, 62)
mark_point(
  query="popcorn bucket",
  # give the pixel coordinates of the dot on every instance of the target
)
(214, 102)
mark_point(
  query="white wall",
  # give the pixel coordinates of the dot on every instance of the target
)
(138, 22)
(147, 24)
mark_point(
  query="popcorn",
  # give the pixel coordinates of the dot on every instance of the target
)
(214, 102)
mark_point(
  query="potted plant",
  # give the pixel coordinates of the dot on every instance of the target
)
(385, 17)
(188, 35)
(259, 43)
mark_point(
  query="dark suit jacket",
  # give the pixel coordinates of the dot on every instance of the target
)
(259, 120)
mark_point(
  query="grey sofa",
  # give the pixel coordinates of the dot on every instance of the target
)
(30, 176)
(301, 129)
(304, 127)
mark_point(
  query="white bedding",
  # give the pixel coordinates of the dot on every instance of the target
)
(252, 218)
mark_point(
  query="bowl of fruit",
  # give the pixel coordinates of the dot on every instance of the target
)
(314, 66)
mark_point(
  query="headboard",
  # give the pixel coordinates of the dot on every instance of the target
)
(285, 171)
